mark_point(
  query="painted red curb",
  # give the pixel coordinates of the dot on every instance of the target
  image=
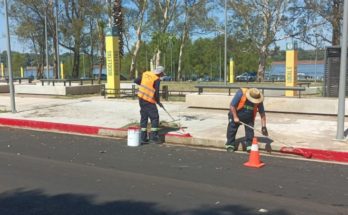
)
(94, 130)
(319, 154)
(81, 129)
(328, 155)
(179, 135)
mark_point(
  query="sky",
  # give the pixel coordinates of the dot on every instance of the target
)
(15, 45)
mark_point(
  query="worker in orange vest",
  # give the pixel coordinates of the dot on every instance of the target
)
(244, 107)
(149, 88)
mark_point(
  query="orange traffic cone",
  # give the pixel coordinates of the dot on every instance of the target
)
(254, 158)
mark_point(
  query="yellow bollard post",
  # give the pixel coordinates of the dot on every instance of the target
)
(231, 71)
(112, 62)
(291, 68)
(2, 71)
(22, 72)
(62, 71)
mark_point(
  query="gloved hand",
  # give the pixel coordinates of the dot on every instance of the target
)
(160, 104)
(264, 131)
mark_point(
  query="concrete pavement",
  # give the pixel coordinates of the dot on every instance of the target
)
(201, 127)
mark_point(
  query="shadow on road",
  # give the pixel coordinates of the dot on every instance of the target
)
(35, 202)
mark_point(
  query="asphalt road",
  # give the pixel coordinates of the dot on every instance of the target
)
(49, 173)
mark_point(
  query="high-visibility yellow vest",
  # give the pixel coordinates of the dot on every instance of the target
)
(243, 100)
(146, 89)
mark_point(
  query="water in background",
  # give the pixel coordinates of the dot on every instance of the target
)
(304, 71)
(31, 72)
(276, 72)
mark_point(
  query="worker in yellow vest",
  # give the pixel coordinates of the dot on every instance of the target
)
(149, 96)
(244, 107)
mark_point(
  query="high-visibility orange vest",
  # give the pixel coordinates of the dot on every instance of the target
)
(146, 89)
(243, 100)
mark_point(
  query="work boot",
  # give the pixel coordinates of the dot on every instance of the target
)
(154, 138)
(230, 148)
(248, 148)
(143, 137)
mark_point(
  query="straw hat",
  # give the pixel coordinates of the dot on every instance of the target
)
(254, 95)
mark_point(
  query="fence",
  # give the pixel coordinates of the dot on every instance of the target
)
(65, 81)
(165, 93)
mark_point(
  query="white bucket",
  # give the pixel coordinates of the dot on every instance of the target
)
(133, 136)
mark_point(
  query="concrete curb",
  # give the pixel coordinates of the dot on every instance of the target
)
(173, 138)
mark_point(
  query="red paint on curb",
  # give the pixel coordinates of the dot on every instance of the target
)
(94, 130)
(317, 154)
(296, 151)
(81, 129)
(179, 135)
(327, 155)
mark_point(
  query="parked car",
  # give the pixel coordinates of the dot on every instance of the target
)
(247, 76)
(102, 77)
(105, 77)
(167, 78)
(204, 78)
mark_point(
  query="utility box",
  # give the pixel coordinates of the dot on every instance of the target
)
(332, 72)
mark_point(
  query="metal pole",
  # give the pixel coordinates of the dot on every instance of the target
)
(146, 57)
(57, 40)
(84, 70)
(9, 63)
(225, 60)
(316, 60)
(46, 44)
(171, 59)
(220, 78)
(342, 84)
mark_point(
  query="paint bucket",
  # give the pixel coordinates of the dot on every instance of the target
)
(133, 138)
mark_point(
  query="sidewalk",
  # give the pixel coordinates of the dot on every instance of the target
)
(201, 127)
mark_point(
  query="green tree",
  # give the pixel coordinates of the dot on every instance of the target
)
(29, 19)
(161, 16)
(260, 22)
(136, 16)
(193, 18)
(101, 38)
(75, 27)
(313, 18)
(18, 61)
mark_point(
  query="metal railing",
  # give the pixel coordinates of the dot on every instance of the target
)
(65, 81)
(19, 80)
(165, 93)
(262, 88)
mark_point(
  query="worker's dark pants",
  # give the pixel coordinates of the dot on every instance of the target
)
(148, 110)
(232, 128)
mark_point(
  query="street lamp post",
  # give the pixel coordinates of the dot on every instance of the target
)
(220, 78)
(9, 62)
(225, 60)
(46, 44)
(171, 58)
(342, 83)
(57, 39)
